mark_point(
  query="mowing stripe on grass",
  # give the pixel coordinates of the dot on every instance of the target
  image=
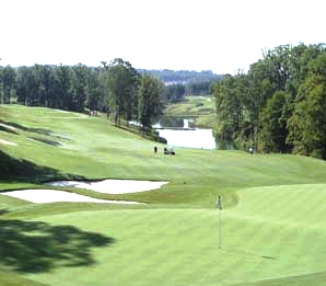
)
(180, 247)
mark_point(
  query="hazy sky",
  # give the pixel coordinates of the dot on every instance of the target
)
(154, 34)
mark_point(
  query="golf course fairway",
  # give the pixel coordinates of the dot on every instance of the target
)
(271, 230)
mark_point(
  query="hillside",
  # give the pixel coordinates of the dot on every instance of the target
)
(270, 232)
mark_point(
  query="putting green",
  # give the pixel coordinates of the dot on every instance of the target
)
(273, 232)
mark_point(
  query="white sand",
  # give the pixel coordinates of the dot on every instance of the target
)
(106, 186)
(112, 186)
(5, 142)
(8, 126)
(51, 196)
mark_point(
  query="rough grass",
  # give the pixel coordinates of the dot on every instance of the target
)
(272, 222)
(7, 279)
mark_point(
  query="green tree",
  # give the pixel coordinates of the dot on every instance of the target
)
(260, 89)
(229, 101)
(175, 92)
(8, 81)
(46, 87)
(36, 86)
(307, 125)
(223, 131)
(79, 80)
(299, 60)
(150, 101)
(95, 99)
(274, 130)
(25, 85)
(198, 88)
(63, 93)
(122, 86)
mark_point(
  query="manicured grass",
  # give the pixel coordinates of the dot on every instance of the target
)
(272, 222)
(260, 241)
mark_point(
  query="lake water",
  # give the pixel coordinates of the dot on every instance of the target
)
(187, 135)
(192, 138)
(181, 132)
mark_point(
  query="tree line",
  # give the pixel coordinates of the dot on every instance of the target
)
(181, 83)
(116, 88)
(63, 87)
(279, 105)
(182, 76)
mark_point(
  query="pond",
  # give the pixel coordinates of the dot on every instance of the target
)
(197, 138)
(181, 132)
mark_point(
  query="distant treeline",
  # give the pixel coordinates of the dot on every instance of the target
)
(186, 82)
(117, 88)
(78, 87)
(64, 87)
(279, 105)
(182, 76)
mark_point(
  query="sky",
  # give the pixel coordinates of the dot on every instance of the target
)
(218, 35)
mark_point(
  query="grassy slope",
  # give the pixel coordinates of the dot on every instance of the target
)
(202, 106)
(267, 213)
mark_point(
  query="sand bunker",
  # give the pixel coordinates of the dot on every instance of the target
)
(113, 186)
(106, 186)
(5, 142)
(50, 196)
(8, 127)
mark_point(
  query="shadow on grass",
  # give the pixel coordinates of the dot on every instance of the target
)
(9, 130)
(34, 247)
(20, 170)
(4, 211)
(46, 141)
(42, 131)
(10, 127)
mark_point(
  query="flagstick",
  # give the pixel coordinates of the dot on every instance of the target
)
(219, 207)
(219, 230)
